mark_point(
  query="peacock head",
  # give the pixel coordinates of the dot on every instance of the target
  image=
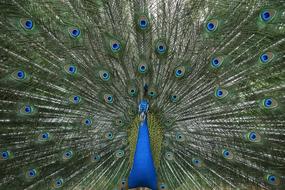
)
(143, 106)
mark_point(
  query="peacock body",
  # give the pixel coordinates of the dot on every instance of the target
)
(161, 94)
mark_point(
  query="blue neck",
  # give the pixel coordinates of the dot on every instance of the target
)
(143, 172)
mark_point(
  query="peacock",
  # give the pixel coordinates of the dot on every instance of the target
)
(142, 94)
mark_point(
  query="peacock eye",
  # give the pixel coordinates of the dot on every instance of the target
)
(132, 91)
(72, 69)
(272, 179)
(269, 103)
(253, 136)
(196, 162)
(31, 173)
(169, 155)
(74, 32)
(96, 157)
(120, 153)
(44, 136)
(58, 183)
(109, 135)
(115, 46)
(19, 75)
(104, 75)
(227, 154)
(221, 93)
(75, 99)
(143, 23)
(142, 68)
(151, 94)
(161, 47)
(216, 62)
(267, 15)
(119, 122)
(179, 72)
(87, 122)
(173, 98)
(27, 24)
(67, 155)
(163, 186)
(108, 98)
(180, 137)
(27, 109)
(212, 25)
(5, 155)
(266, 57)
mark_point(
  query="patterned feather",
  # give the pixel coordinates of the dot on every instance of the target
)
(73, 74)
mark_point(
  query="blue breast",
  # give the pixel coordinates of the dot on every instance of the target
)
(143, 172)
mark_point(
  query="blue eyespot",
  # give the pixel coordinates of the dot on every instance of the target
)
(27, 24)
(178, 72)
(169, 156)
(152, 93)
(196, 162)
(76, 99)
(273, 180)
(108, 98)
(109, 135)
(45, 136)
(265, 15)
(264, 58)
(120, 153)
(5, 155)
(31, 173)
(104, 75)
(96, 157)
(28, 109)
(123, 182)
(269, 103)
(58, 183)
(74, 32)
(216, 62)
(132, 91)
(227, 154)
(67, 154)
(88, 122)
(212, 25)
(180, 137)
(252, 136)
(115, 46)
(221, 93)
(163, 186)
(161, 47)
(142, 68)
(72, 69)
(173, 98)
(21, 74)
(143, 23)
